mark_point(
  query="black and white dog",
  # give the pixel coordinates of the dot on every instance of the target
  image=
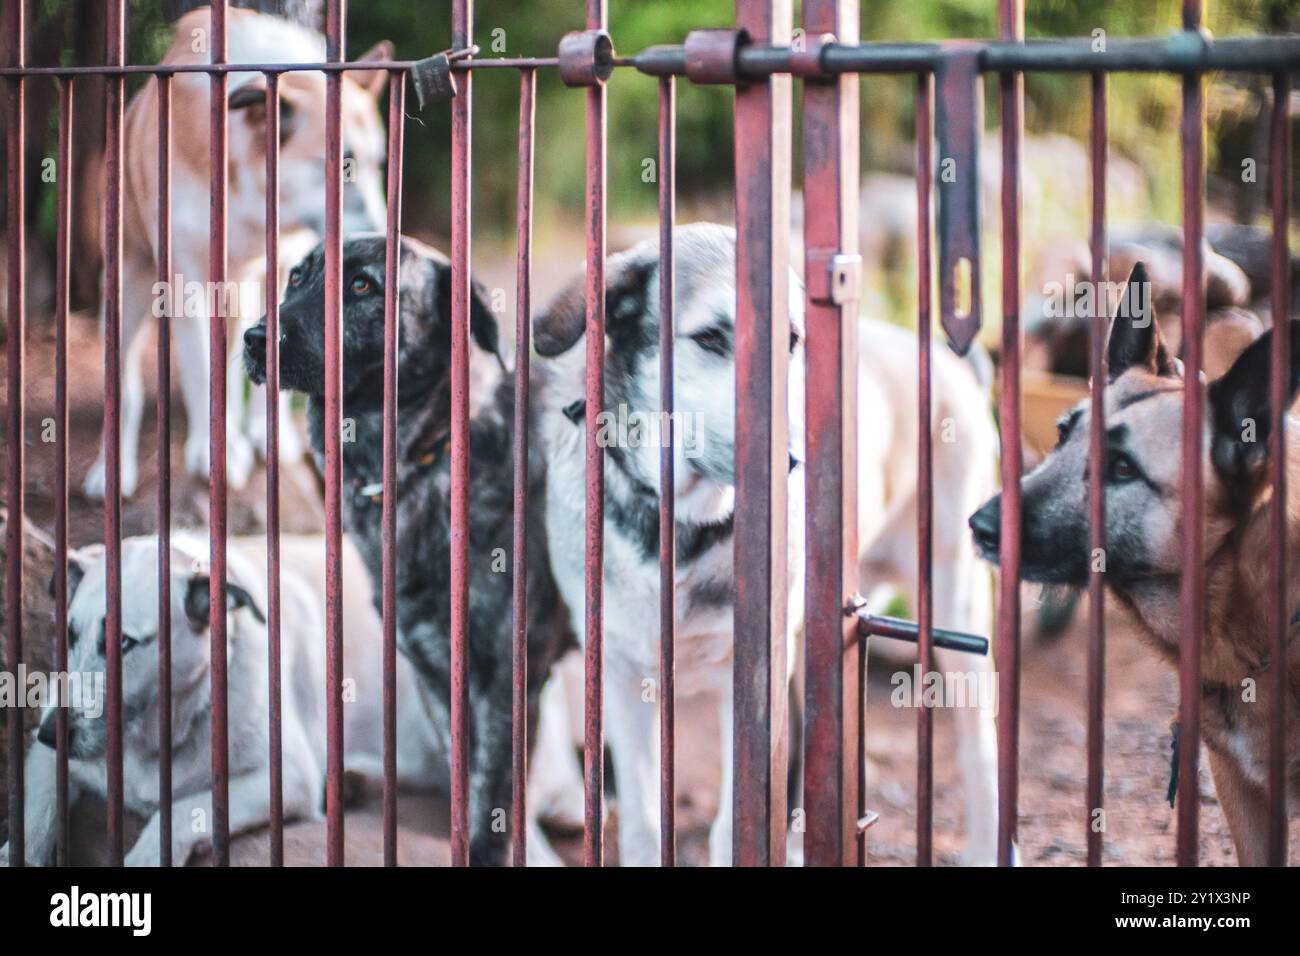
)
(704, 431)
(423, 491)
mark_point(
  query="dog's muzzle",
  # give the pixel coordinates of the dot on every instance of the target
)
(986, 527)
(255, 353)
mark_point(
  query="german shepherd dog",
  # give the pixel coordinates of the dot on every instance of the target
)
(423, 491)
(1143, 553)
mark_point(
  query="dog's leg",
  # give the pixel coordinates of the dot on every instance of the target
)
(190, 333)
(137, 304)
(555, 792)
(1245, 805)
(962, 600)
(490, 766)
(720, 830)
(39, 806)
(250, 808)
(632, 724)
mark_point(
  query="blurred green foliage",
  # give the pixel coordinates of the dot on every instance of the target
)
(1143, 110)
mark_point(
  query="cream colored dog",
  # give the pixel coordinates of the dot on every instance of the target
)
(251, 38)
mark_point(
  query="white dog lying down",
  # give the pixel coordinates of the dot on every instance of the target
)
(303, 695)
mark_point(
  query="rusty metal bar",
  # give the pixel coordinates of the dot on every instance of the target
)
(273, 606)
(335, 15)
(1279, 624)
(462, 19)
(16, 206)
(115, 96)
(459, 60)
(594, 680)
(667, 477)
(1180, 52)
(1011, 16)
(62, 271)
(832, 269)
(924, 465)
(762, 147)
(1192, 596)
(217, 161)
(392, 305)
(519, 595)
(164, 430)
(1095, 816)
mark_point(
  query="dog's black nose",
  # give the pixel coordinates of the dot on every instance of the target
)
(986, 526)
(255, 336)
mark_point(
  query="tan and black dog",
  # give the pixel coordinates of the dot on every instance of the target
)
(1144, 539)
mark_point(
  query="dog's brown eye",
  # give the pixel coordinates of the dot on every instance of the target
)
(360, 285)
(295, 277)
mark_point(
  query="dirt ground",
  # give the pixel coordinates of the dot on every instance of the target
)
(1141, 694)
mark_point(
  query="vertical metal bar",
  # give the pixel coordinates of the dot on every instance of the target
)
(594, 681)
(392, 303)
(115, 96)
(272, 292)
(1280, 190)
(217, 158)
(16, 207)
(519, 595)
(667, 479)
(1011, 16)
(1095, 811)
(762, 147)
(335, 13)
(62, 271)
(1192, 597)
(924, 465)
(462, 30)
(164, 426)
(832, 647)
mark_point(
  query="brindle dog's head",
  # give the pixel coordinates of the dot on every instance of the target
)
(1142, 472)
(424, 325)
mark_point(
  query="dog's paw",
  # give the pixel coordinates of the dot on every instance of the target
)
(981, 855)
(197, 459)
(96, 484)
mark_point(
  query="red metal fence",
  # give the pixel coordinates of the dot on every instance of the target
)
(760, 58)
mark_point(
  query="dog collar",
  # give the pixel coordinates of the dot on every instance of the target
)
(375, 490)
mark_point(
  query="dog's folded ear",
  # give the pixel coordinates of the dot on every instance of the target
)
(1241, 410)
(564, 320)
(198, 602)
(78, 561)
(1135, 340)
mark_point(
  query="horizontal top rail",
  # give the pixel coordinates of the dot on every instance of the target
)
(1182, 51)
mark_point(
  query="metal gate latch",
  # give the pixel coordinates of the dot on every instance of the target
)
(834, 278)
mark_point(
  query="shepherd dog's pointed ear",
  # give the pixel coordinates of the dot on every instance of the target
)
(1241, 410)
(1135, 340)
